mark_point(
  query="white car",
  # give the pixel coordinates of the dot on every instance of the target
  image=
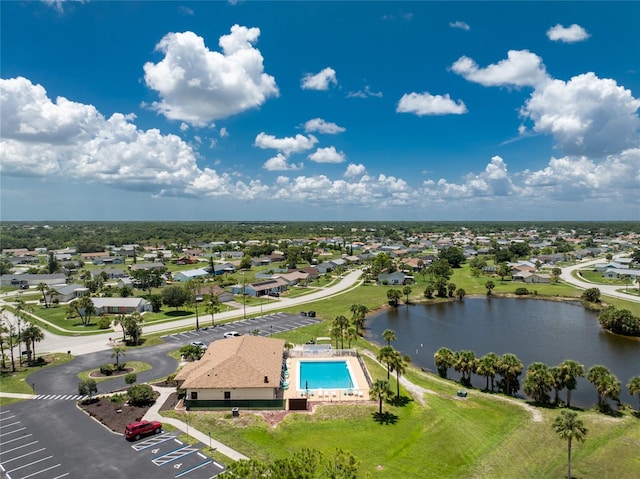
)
(199, 344)
(232, 334)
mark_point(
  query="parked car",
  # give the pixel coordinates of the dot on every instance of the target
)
(232, 334)
(199, 344)
(135, 430)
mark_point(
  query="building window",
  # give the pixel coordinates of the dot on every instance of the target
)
(227, 395)
(194, 395)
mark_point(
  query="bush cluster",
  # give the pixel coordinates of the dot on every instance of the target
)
(619, 321)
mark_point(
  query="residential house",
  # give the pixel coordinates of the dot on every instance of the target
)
(236, 372)
(112, 273)
(66, 292)
(530, 277)
(187, 275)
(294, 277)
(120, 305)
(223, 295)
(27, 279)
(395, 278)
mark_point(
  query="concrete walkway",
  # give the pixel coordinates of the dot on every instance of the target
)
(17, 395)
(153, 414)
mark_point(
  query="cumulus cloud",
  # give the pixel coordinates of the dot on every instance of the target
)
(366, 93)
(426, 104)
(571, 34)
(327, 155)
(586, 115)
(319, 81)
(280, 163)
(41, 137)
(354, 170)
(321, 126)
(286, 145)
(520, 68)
(223, 132)
(460, 25)
(198, 86)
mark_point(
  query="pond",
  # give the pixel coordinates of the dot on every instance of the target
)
(533, 330)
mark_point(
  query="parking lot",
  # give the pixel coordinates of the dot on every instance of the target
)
(55, 440)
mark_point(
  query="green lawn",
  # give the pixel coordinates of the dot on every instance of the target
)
(138, 367)
(16, 382)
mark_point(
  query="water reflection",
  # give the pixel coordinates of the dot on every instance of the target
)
(534, 330)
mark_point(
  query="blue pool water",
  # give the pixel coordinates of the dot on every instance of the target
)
(325, 375)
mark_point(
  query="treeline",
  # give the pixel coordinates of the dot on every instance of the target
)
(619, 321)
(93, 236)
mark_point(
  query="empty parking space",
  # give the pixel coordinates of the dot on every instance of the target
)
(22, 455)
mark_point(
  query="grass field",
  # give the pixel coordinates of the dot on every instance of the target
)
(448, 437)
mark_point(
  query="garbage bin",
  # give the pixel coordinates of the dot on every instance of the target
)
(235, 412)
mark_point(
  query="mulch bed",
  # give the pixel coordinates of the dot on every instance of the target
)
(107, 413)
(115, 374)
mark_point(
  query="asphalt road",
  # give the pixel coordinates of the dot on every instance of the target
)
(63, 379)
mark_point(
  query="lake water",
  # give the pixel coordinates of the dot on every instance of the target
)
(533, 330)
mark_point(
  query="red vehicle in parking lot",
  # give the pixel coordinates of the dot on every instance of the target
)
(135, 430)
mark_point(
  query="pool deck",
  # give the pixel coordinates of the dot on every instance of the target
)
(359, 393)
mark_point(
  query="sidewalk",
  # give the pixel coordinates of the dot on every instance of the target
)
(17, 395)
(153, 414)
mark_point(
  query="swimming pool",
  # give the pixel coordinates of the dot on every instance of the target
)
(325, 375)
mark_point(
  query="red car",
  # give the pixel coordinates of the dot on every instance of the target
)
(135, 430)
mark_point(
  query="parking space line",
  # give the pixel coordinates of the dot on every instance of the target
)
(30, 464)
(19, 447)
(187, 471)
(5, 418)
(218, 464)
(61, 475)
(40, 472)
(24, 455)
(152, 442)
(12, 424)
(17, 438)
(173, 455)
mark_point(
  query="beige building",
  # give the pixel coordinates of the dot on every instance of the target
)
(245, 372)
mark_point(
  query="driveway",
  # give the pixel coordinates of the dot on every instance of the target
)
(605, 289)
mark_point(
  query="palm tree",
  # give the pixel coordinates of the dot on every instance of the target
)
(359, 312)
(379, 390)
(633, 386)
(389, 335)
(121, 321)
(503, 270)
(44, 289)
(444, 359)
(213, 307)
(569, 371)
(489, 285)
(597, 376)
(538, 381)
(116, 353)
(385, 355)
(352, 334)
(393, 295)
(465, 363)
(35, 336)
(460, 293)
(568, 426)
(488, 367)
(399, 366)
(341, 323)
(406, 291)
(510, 367)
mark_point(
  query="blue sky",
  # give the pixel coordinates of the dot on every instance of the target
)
(320, 111)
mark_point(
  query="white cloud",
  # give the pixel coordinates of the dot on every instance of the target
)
(286, 145)
(321, 126)
(460, 25)
(184, 127)
(280, 163)
(319, 81)
(198, 85)
(182, 10)
(223, 132)
(58, 4)
(327, 155)
(426, 104)
(571, 34)
(586, 115)
(354, 170)
(366, 93)
(520, 68)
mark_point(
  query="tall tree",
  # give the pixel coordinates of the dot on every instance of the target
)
(83, 308)
(444, 359)
(212, 306)
(393, 296)
(633, 386)
(488, 367)
(503, 270)
(465, 363)
(379, 391)
(489, 285)
(606, 384)
(389, 335)
(174, 296)
(569, 371)
(510, 367)
(398, 365)
(359, 316)
(538, 382)
(569, 426)
(32, 334)
(406, 291)
(192, 288)
(117, 352)
(352, 335)
(44, 289)
(385, 355)
(341, 323)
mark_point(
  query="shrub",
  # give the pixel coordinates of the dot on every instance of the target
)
(107, 369)
(521, 291)
(141, 395)
(131, 378)
(87, 387)
(591, 295)
(104, 323)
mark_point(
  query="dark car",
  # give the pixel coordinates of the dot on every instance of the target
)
(135, 430)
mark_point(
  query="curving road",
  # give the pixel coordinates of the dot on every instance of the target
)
(605, 289)
(78, 345)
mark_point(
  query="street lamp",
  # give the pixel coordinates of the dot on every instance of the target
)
(244, 299)
(210, 441)
(186, 420)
